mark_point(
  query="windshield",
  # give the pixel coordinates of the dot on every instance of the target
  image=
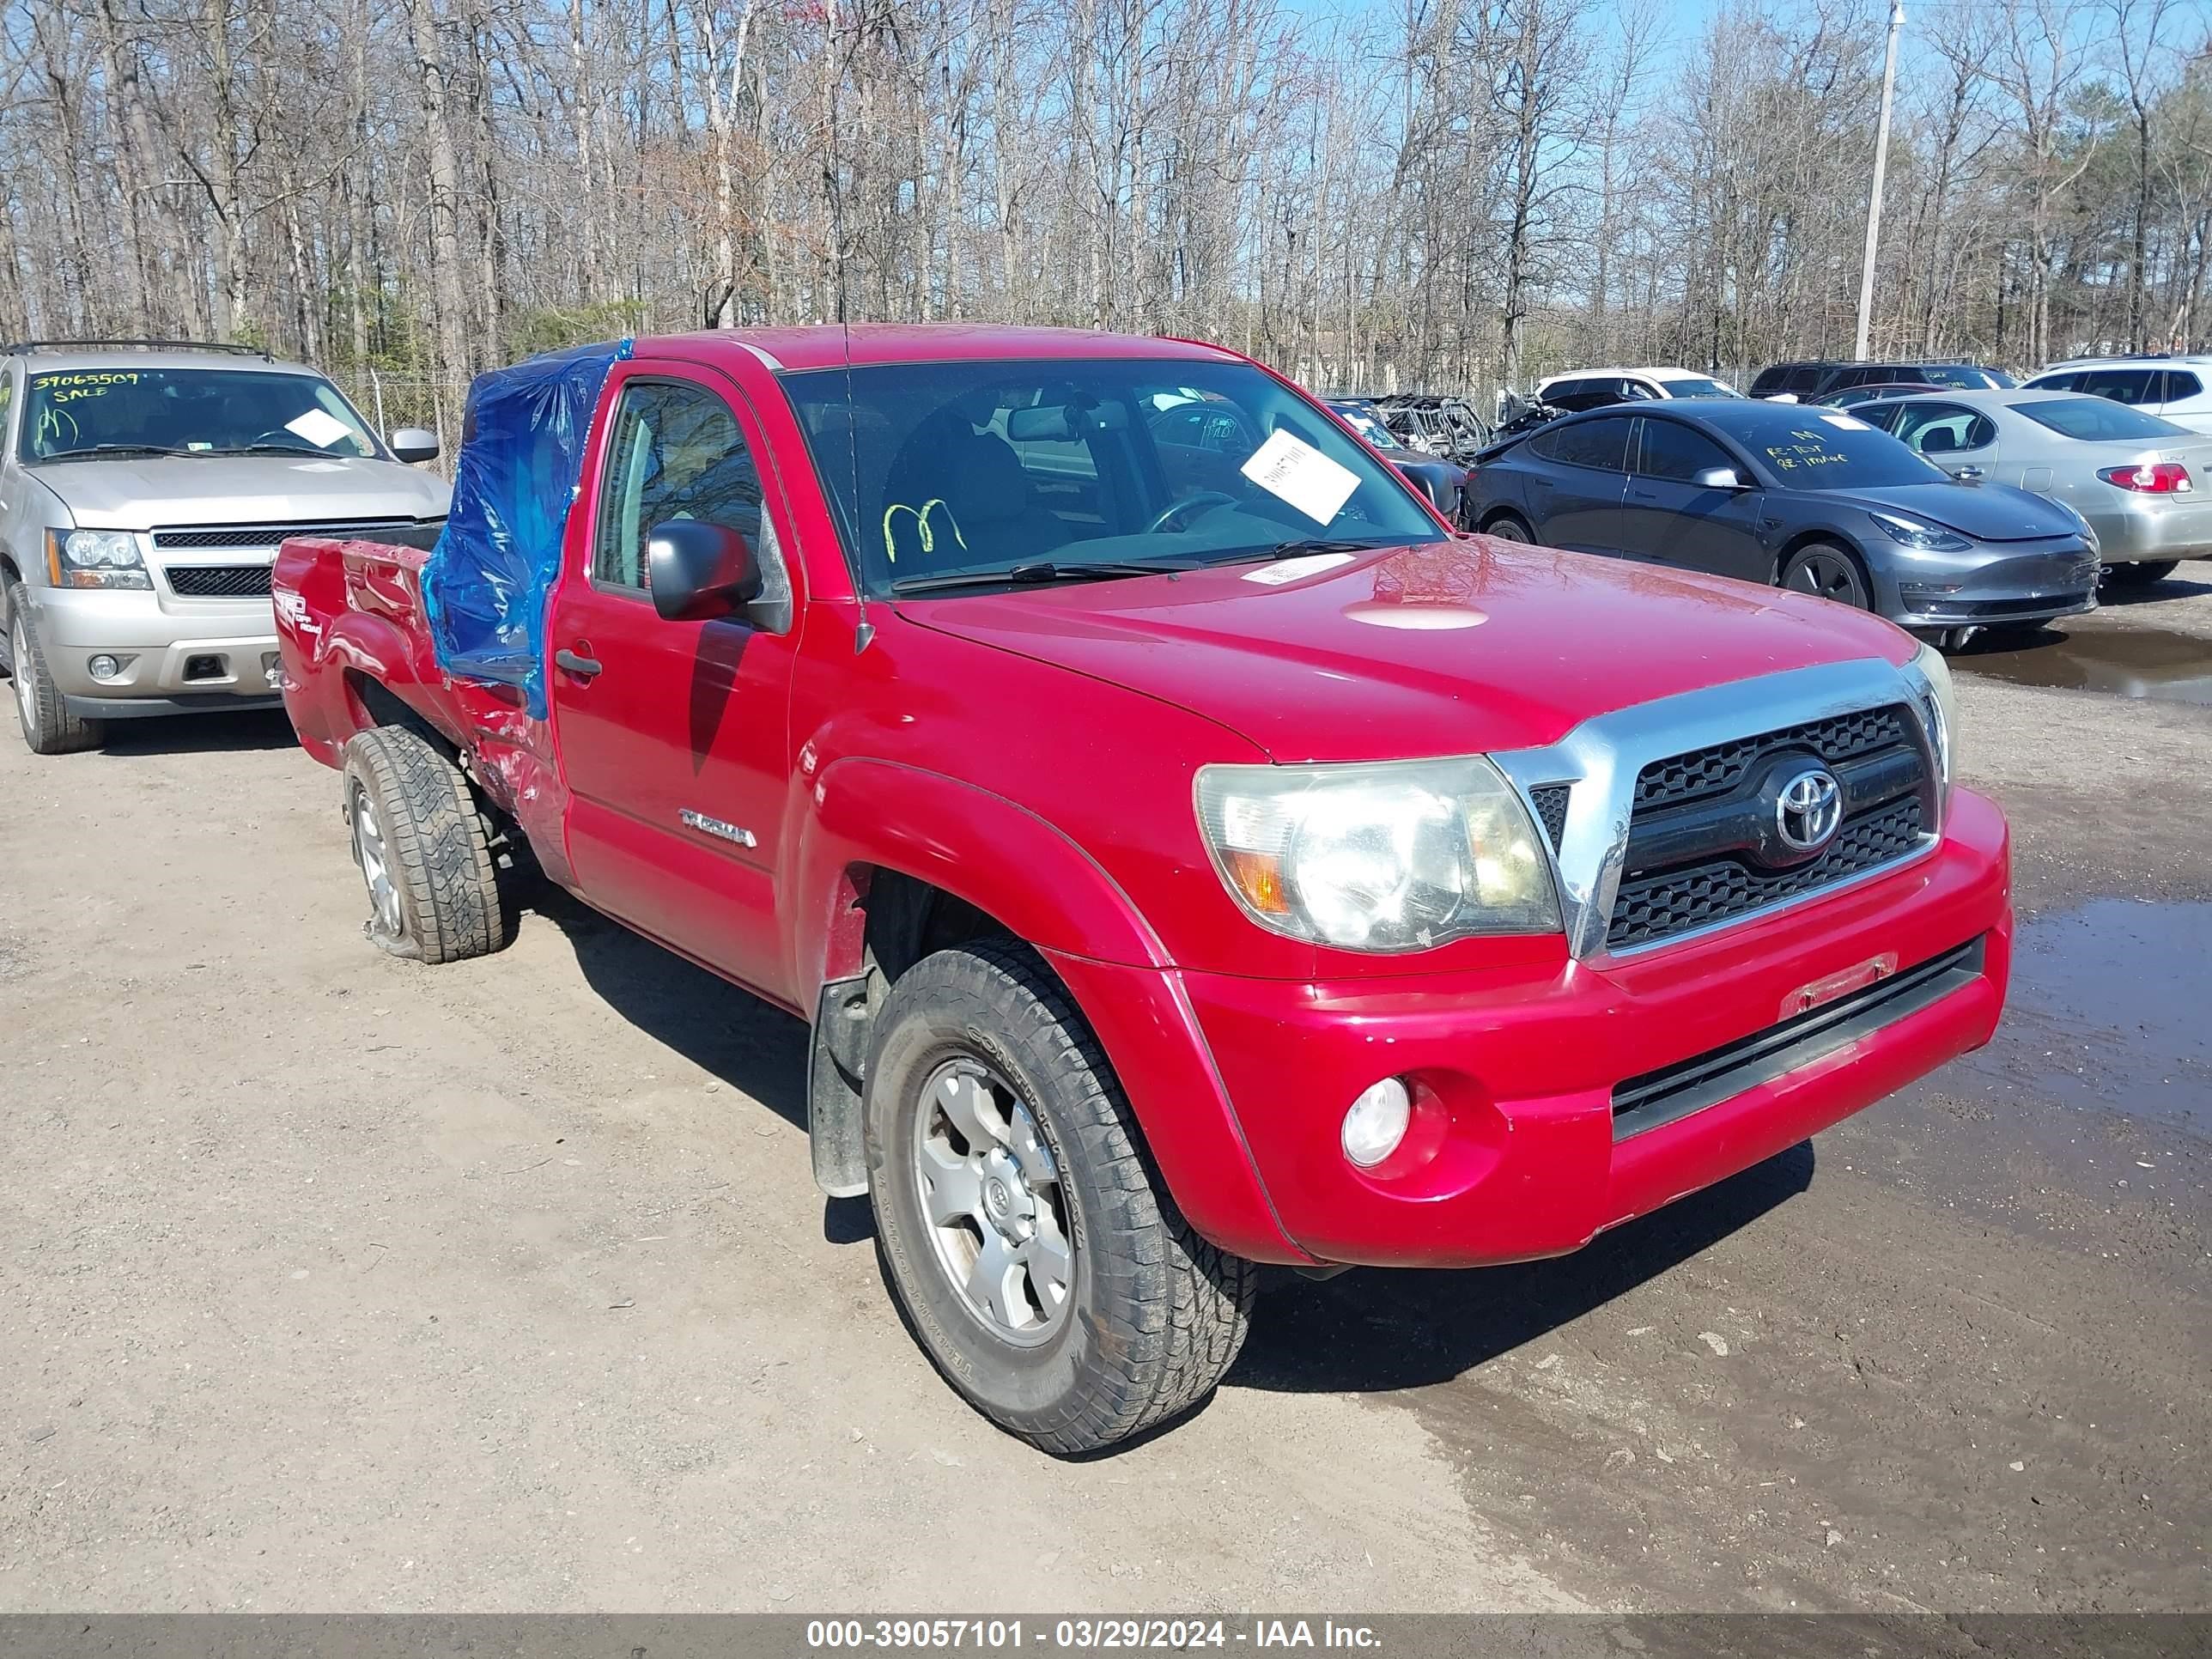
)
(1962, 377)
(941, 469)
(1832, 451)
(1368, 427)
(83, 412)
(1699, 388)
(2095, 419)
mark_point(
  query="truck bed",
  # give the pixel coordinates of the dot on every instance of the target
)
(358, 652)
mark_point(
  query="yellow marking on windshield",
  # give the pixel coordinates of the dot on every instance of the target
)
(921, 523)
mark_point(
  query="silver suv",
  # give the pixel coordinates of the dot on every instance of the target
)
(143, 488)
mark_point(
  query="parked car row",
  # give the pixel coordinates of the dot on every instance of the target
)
(1808, 499)
(1819, 502)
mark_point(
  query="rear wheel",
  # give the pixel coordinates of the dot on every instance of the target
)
(1829, 572)
(2140, 575)
(423, 849)
(1034, 1252)
(1510, 527)
(48, 726)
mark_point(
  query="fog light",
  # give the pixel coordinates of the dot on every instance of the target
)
(103, 668)
(1376, 1122)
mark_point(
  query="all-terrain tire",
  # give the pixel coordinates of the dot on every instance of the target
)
(435, 846)
(1156, 1314)
(44, 718)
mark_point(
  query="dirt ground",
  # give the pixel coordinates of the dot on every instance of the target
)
(329, 1282)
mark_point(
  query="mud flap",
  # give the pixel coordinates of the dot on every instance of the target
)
(836, 1071)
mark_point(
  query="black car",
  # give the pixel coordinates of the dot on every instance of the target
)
(1867, 392)
(1812, 378)
(1814, 500)
(1440, 480)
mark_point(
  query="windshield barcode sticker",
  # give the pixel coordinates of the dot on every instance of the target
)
(1288, 467)
(1289, 570)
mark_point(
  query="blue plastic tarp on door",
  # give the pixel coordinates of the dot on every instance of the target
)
(485, 586)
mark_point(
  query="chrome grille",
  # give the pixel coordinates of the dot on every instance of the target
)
(268, 535)
(219, 581)
(1699, 851)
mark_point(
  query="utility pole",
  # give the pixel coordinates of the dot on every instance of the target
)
(1881, 165)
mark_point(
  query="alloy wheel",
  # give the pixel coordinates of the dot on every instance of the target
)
(990, 1190)
(27, 686)
(1827, 575)
(369, 852)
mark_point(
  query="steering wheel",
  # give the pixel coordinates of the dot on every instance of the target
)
(277, 434)
(1174, 510)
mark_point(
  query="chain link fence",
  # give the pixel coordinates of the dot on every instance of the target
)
(391, 402)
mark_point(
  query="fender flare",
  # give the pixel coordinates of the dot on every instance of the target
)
(979, 847)
(1031, 877)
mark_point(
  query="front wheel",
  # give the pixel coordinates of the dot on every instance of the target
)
(1828, 572)
(48, 726)
(1033, 1250)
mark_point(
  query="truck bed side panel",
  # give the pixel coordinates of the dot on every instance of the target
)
(357, 654)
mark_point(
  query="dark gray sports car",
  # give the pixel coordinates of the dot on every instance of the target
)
(1810, 499)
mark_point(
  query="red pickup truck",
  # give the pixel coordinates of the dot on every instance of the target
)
(1188, 851)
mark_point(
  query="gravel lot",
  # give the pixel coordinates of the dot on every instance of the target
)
(333, 1283)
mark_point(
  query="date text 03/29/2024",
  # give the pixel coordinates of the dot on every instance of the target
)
(1085, 1634)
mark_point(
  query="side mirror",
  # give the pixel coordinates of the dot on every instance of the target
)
(412, 443)
(1720, 478)
(697, 571)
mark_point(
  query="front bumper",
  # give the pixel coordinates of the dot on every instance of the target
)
(1516, 1153)
(176, 656)
(2026, 582)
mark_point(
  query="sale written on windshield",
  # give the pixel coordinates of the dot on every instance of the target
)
(80, 414)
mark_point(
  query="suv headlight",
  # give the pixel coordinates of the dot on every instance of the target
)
(1940, 703)
(1400, 856)
(95, 558)
(1927, 537)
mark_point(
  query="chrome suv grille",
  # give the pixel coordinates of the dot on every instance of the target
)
(219, 581)
(1702, 847)
(268, 535)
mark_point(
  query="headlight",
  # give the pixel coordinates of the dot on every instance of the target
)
(95, 558)
(1400, 856)
(1927, 537)
(1941, 702)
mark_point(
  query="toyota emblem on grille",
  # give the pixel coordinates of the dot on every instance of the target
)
(1808, 809)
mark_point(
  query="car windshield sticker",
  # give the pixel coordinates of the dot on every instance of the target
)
(1289, 570)
(1849, 422)
(319, 426)
(1288, 467)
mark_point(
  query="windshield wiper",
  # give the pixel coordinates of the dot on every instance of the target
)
(90, 450)
(263, 449)
(1026, 575)
(1327, 544)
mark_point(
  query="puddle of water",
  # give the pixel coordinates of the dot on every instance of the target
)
(2141, 663)
(2108, 1011)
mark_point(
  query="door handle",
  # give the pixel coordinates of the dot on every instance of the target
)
(1643, 495)
(581, 667)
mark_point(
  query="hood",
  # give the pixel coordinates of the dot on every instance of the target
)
(1986, 512)
(145, 494)
(1441, 648)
